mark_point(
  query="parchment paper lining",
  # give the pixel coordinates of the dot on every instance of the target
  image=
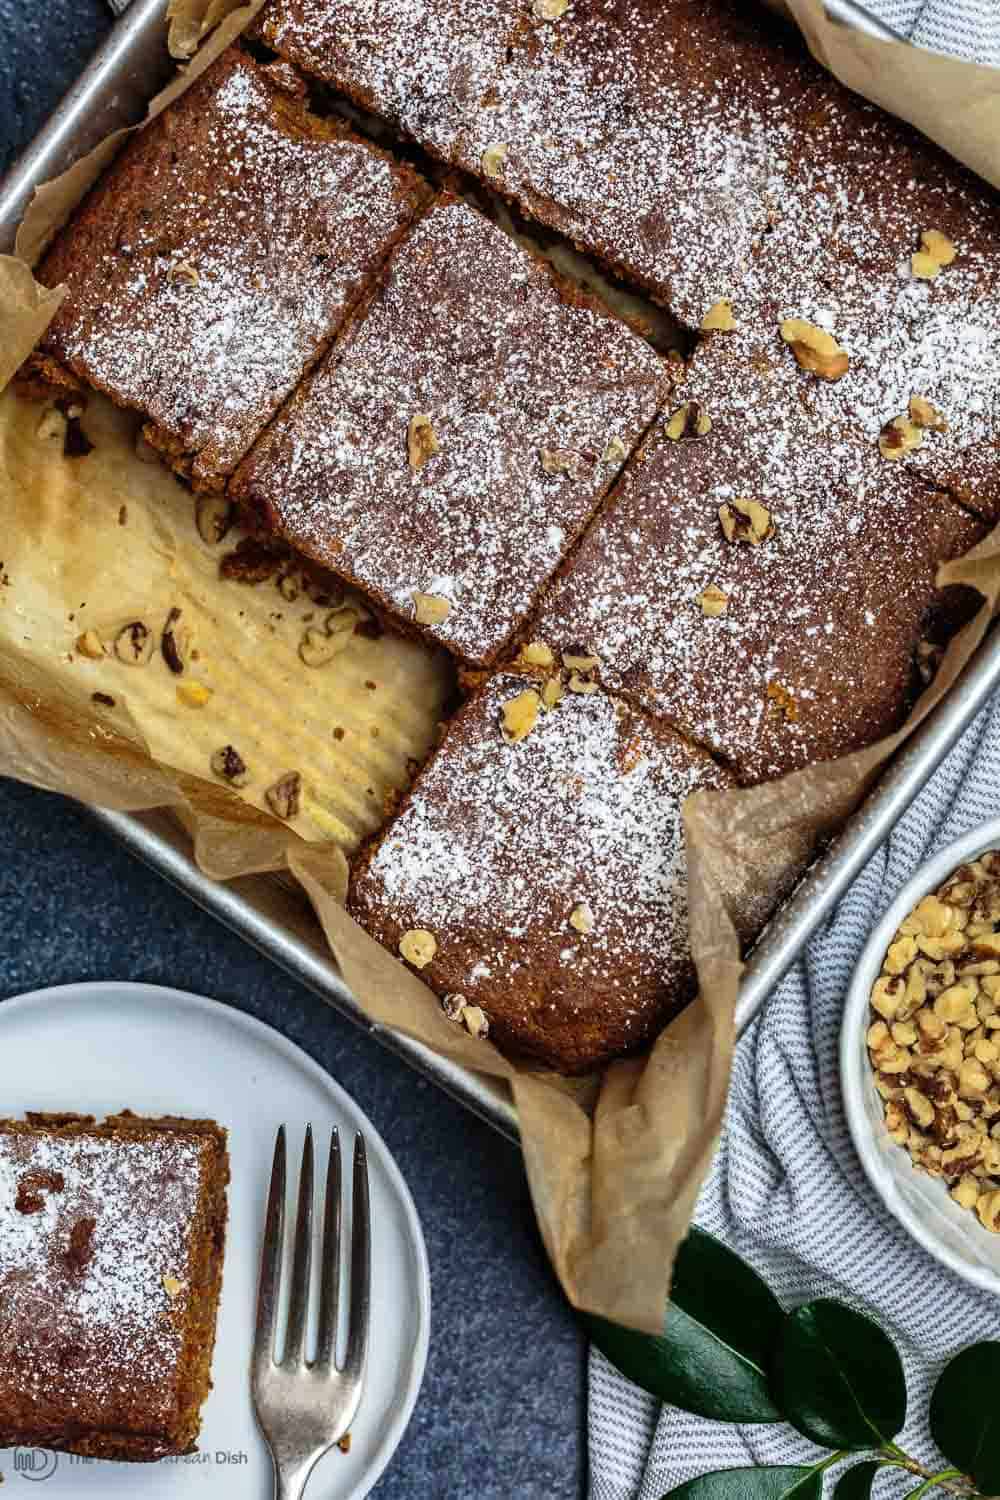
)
(614, 1162)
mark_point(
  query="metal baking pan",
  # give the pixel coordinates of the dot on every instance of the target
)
(113, 92)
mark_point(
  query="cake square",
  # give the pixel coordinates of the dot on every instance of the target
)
(452, 446)
(764, 586)
(549, 872)
(111, 1250)
(214, 261)
(423, 64)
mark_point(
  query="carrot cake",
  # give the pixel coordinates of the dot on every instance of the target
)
(111, 1248)
(449, 450)
(535, 872)
(215, 260)
(763, 578)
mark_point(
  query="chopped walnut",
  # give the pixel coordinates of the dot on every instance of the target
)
(134, 644)
(924, 414)
(616, 451)
(536, 654)
(90, 644)
(745, 521)
(421, 440)
(550, 10)
(578, 684)
(582, 918)
(213, 517)
(938, 246)
(431, 609)
(172, 1286)
(552, 693)
(520, 714)
(284, 796)
(713, 601)
(563, 461)
(193, 694)
(815, 350)
(476, 1022)
(183, 270)
(924, 266)
(687, 423)
(931, 1047)
(719, 318)
(494, 158)
(418, 947)
(899, 437)
(321, 644)
(228, 764)
(453, 1006)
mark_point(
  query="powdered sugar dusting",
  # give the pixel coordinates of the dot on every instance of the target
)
(219, 256)
(423, 64)
(470, 331)
(498, 843)
(813, 654)
(86, 1332)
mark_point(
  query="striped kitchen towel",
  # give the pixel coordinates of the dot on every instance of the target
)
(969, 29)
(788, 1193)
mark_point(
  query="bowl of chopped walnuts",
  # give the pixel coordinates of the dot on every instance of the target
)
(920, 1056)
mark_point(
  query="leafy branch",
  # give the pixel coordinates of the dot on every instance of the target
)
(730, 1352)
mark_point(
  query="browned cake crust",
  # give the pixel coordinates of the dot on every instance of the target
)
(214, 261)
(533, 393)
(811, 652)
(550, 873)
(111, 1255)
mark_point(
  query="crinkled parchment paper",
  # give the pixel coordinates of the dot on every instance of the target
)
(614, 1162)
(956, 103)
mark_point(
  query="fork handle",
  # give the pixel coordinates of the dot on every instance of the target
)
(290, 1482)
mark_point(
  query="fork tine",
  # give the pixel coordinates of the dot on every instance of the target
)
(326, 1351)
(298, 1306)
(270, 1262)
(361, 1268)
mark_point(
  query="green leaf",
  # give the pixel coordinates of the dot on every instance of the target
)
(720, 1327)
(775, 1482)
(838, 1377)
(965, 1414)
(856, 1483)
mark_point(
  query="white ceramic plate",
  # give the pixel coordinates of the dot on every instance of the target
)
(922, 1204)
(98, 1048)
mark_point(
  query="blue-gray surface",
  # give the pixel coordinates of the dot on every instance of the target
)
(501, 1412)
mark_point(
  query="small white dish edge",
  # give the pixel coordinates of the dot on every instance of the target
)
(921, 1204)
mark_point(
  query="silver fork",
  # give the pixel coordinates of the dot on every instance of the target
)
(304, 1407)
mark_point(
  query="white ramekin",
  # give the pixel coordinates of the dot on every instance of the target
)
(922, 1204)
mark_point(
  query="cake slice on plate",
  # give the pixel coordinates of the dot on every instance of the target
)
(111, 1252)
